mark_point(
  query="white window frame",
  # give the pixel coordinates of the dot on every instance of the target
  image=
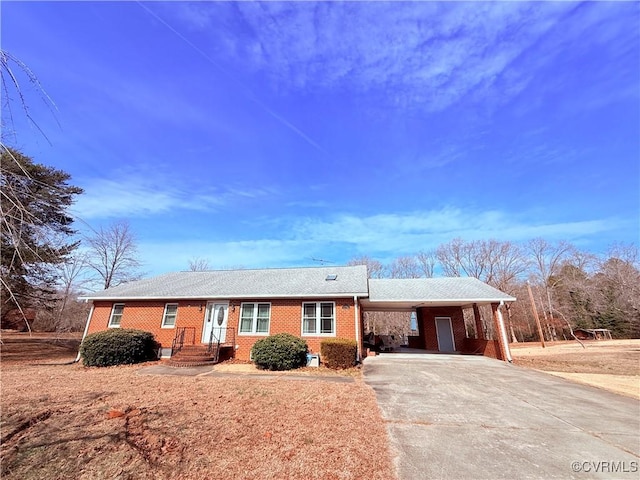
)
(164, 316)
(254, 319)
(114, 314)
(318, 317)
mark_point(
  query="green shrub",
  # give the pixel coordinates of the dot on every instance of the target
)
(338, 352)
(118, 346)
(280, 352)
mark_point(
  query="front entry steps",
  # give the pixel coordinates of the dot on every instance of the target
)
(193, 356)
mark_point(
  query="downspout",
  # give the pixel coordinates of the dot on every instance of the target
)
(356, 319)
(86, 329)
(503, 332)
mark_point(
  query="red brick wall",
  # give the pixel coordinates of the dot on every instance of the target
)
(427, 325)
(286, 316)
(147, 316)
(488, 348)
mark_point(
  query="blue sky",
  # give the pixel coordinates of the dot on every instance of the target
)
(268, 134)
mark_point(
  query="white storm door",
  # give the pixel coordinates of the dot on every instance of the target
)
(215, 322)
(445, 334)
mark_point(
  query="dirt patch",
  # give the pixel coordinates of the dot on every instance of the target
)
(68, 421)
(613, 364)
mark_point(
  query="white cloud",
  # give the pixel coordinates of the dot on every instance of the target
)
(410, 232)
(292, 242)
(174, 256)
(144, 192)
(416, 54)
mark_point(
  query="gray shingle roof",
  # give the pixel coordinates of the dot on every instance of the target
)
(227, 284)
(441, 291)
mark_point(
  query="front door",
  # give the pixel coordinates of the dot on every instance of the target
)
(215, 322)
(445, 334)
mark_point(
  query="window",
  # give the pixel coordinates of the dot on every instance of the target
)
(254, 318)
(116, 315)
(170, 314)
(318, 318)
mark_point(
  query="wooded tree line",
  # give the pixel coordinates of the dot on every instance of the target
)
(570, 286)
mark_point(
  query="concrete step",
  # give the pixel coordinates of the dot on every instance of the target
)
(193, 358)
(185, 363)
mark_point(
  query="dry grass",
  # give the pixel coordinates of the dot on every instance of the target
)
(68, 421)
(612, 364)
(38, 347)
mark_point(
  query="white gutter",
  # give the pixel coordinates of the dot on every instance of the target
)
(420, 302)
(503, 333)
(222, 297)
(357, 321)
(86, 329)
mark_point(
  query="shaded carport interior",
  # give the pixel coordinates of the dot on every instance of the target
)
(439, 304)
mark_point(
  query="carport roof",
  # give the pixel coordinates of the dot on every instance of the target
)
(423, 292)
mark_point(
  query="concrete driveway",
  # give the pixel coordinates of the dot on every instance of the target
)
(466, 417)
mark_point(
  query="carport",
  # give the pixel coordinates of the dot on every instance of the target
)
(439, 304)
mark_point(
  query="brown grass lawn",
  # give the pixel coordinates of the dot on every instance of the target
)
(610, 364)
(68, 421)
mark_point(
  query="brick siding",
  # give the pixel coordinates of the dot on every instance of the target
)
(476, 346)
(286, 317)
(427, 326)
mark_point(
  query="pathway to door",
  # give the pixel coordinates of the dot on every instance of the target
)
(456, 416)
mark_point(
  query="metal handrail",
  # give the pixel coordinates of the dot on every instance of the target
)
(179, 339)
(214, 344)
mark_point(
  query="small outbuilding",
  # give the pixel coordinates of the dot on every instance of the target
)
(592, 334)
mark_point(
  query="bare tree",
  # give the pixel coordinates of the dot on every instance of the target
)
(199, 264)
(497, 263)
(405, 267)
(427, 262)
(473, 259)
(547, 261)
(450, 256)
(11, 71)
(618, 290)
(375, 269)
(508, 264)
(113, 255)
(70, 274)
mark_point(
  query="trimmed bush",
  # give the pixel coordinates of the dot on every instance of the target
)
(338, 353)
(118, 346)
(280, 352)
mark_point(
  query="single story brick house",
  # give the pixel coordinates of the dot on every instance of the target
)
(235, 308)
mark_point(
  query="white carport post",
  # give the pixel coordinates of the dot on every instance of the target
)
(356, 312)
(86, 329)
(503, 332)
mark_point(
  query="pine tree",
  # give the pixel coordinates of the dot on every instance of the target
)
(35, 229)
